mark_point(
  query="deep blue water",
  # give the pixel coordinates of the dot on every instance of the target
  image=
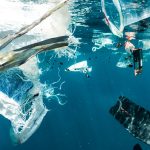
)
(84, 122)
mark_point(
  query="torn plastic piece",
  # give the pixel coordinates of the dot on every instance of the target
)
(19, 56)
(126, 13)
(125, 61)
(9, 38)
(32, 123)
(133, 117)
(21, 102)
(24, 121)
(80, 67)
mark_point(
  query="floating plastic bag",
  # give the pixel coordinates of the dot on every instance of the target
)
(21, 102)
(21, 93)
(121, 13)
(15, 16)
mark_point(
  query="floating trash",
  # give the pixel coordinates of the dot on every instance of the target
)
(125, 61)
(80, 67)
(21, 103)
(21, 93)
(133, 117)
(127, 12)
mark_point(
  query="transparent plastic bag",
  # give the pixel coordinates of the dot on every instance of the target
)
(121, 13)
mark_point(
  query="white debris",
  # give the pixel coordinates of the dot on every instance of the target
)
(26, 117)
(24, 123)
(80, 67)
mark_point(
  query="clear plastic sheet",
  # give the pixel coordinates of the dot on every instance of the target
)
(121, 13)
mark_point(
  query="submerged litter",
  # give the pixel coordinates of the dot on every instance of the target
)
(21, 103)
(80, 67)
(19, 56)
(133, 117)
(21, 93)
(127, 12)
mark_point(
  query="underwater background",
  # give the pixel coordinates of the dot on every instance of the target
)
(84, 121)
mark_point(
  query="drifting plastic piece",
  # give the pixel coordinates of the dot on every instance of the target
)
(26, 28)
(80, 67)
(121, 13)
(19, 56)
(21, 102)
(125, 61)
(133, 117)
(33, 119)
(25, 121)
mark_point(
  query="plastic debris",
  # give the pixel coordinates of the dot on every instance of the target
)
(127, 13)
(80, 67)
(133, 117)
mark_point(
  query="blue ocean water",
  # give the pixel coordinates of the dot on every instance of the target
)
(84, 122)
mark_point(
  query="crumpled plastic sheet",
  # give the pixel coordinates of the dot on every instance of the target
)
(14, 84)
